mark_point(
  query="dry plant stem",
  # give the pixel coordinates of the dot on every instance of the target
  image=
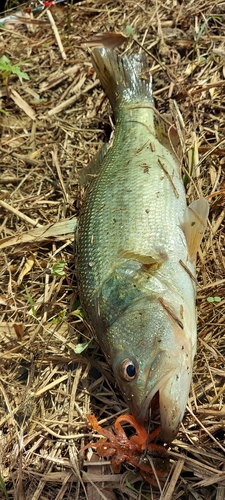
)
(68, 477)
(19, 214)
(57, 165)
(27, 159)
(65, 104)
(65, 437)
(206, 430)
(22, 104)
(88, 479)
(65, 227)
(56, 33)
(72, 70)
(155, 474)
(221, 391)
(220, 495)
(168, 493)
(73, 395)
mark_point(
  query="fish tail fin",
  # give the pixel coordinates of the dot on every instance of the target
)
(123, 78)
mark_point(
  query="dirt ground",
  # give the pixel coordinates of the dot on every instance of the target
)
(54, 117)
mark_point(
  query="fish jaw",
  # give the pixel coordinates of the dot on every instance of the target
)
(173, 390)
(173, 396)
(164, 358)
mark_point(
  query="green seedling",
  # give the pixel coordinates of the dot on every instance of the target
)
(60, 317)
(78, 312)
(213, 299)
(132, 488)
(31, 302)
(130, 30)
(3, 488)
(58, 269)
(82, 347)
(201, 31)
(7, 69)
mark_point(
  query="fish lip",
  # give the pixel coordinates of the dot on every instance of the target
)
(170, 414)
(170, 404)
(143, 416)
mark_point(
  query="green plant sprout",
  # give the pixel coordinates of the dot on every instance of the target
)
(31, 302)
(3, 488)
(7, 69)
(82, 347)
(60, 317)
(213, 299)
(58, 268)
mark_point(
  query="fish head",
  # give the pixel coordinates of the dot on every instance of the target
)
(152, 358)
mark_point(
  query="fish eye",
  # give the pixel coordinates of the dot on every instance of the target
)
(128, 370)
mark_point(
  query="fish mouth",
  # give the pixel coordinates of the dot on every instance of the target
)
(166, 402)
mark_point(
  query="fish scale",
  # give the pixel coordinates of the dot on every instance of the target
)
(136, 249)
(128, 208)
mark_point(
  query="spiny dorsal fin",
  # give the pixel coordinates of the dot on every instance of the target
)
(87, 174)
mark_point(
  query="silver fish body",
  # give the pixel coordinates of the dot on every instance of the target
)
(137, 242)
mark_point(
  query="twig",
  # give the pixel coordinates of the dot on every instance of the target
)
(57, 165)
(41, 233)
(206, 430)
(19, 214)
(176, 473)
(74, 98)
(56, 33)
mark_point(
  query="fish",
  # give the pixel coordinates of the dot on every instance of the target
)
(137, 242)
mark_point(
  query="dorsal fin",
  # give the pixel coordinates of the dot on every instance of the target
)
(87, 174)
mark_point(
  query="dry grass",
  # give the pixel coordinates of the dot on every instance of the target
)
(54, 124)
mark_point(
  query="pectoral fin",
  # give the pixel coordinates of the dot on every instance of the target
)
(147, 260)
(194, 224)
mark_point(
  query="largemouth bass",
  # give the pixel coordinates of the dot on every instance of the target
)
(137, 243)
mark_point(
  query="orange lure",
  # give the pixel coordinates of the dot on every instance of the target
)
(121, 448)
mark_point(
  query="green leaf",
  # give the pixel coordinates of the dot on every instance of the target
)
(214, 299)
(3, 488)
(59, 317)
(217, 299)
(4, 60)
(16, 71)
(78, 312)
(5, 67)
(218, 18)
(31, 301)
(8, 68)
(130, 30)
(29, 296)
(58, 268)
(202, 29)
(81, 347)
(132, 488)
